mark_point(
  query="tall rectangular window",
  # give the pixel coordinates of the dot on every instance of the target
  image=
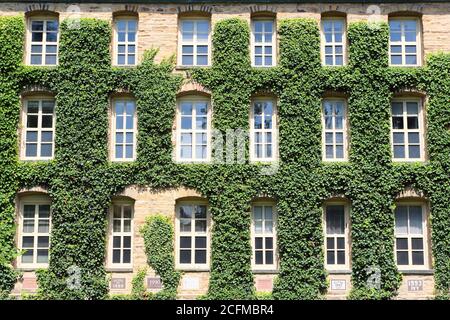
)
(39, 128)
(404, 45)
(333, 41)
(407, 130)
(336, 244)
(192, 235)
(193, 133)
(263, 43)
(263, 130)
(34, 232)
(121, 226)
(194, 46)
(410, 236)
(334, 134)
(264, 236)
(124, 134)
(43, 41)
(126, 41)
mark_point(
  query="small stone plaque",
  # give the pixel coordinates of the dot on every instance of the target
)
(264, 284)
(117, 283)
(415, 285)
(337, 284)
(191, 283)
(29, 283)
(154, 283)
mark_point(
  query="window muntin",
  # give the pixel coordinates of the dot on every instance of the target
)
(194, 49)
(404, 44)
(336, 236)
(263, 130)
(43, 41)
(407, 130)
(264, 236)
(121, 240)
(333, 39)
(193, 235)
(263, 43)
(194, 132)
(34, 232)
(334, 130)
(124, 133)
(39, 129)
(126, 41)
(411, 236)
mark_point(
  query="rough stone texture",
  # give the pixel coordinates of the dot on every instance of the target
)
(158, 23)
(158, 28)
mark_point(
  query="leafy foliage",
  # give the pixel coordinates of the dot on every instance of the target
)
(81, 180)
(158, 237)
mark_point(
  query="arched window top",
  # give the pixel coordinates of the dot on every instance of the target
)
(42, 13)
(333, 14)
(400, 14)
(409, 193)
(125, 14)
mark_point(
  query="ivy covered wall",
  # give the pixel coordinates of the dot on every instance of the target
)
(81, 180)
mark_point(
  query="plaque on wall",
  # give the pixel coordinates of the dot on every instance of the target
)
(154, 283)
(191, 283)
(264, 284)
(415, 285)
(29, 283)
(338, 284)
(117, 283)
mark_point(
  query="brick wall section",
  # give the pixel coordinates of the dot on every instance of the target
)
(158, 24)
(158, 28)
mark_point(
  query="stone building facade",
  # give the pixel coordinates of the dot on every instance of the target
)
(159, 25)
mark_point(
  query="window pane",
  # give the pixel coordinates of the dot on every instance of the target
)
(117, 225)
(330, 243)
(269, 257)
(27, 257)
(116, 242)
(401, 220)
(269, 243)
(335, 219)
(44, 211)
(417, 258)
(185, 225)
(415, 219)
(116, 256)
(42, 256)
(186, 211)
(413, 123)
(30, 150)
(258, 257)
(28, 210)
(417, 243)
(258, 243)
(31, 136)
(200, 242)
(126, 256)
(185, 256)
(127, 242)
(399, 137)
(28, 226)
(200, 256)
(399, 152)
(46, 150)
(397, 122)
(185, 242)
(200, 225)
(330, 257)
(402, 258)
(402, 243)
(340, 257)
(414, 152)
(27, 242)
(340, 243)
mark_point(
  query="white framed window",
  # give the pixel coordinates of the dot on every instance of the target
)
(38, 121)
(404, 42)
(264, 241)
(193, 133)
(194, 46)
(263, 42)
(124, 130)
(34, 231)
(337, 247)
(263, 130)
(407, 130)
(42, 39)
(333, 41)
(121, 235)
(334, 133)
(125, 36)
(192, 241)
(411, 244)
